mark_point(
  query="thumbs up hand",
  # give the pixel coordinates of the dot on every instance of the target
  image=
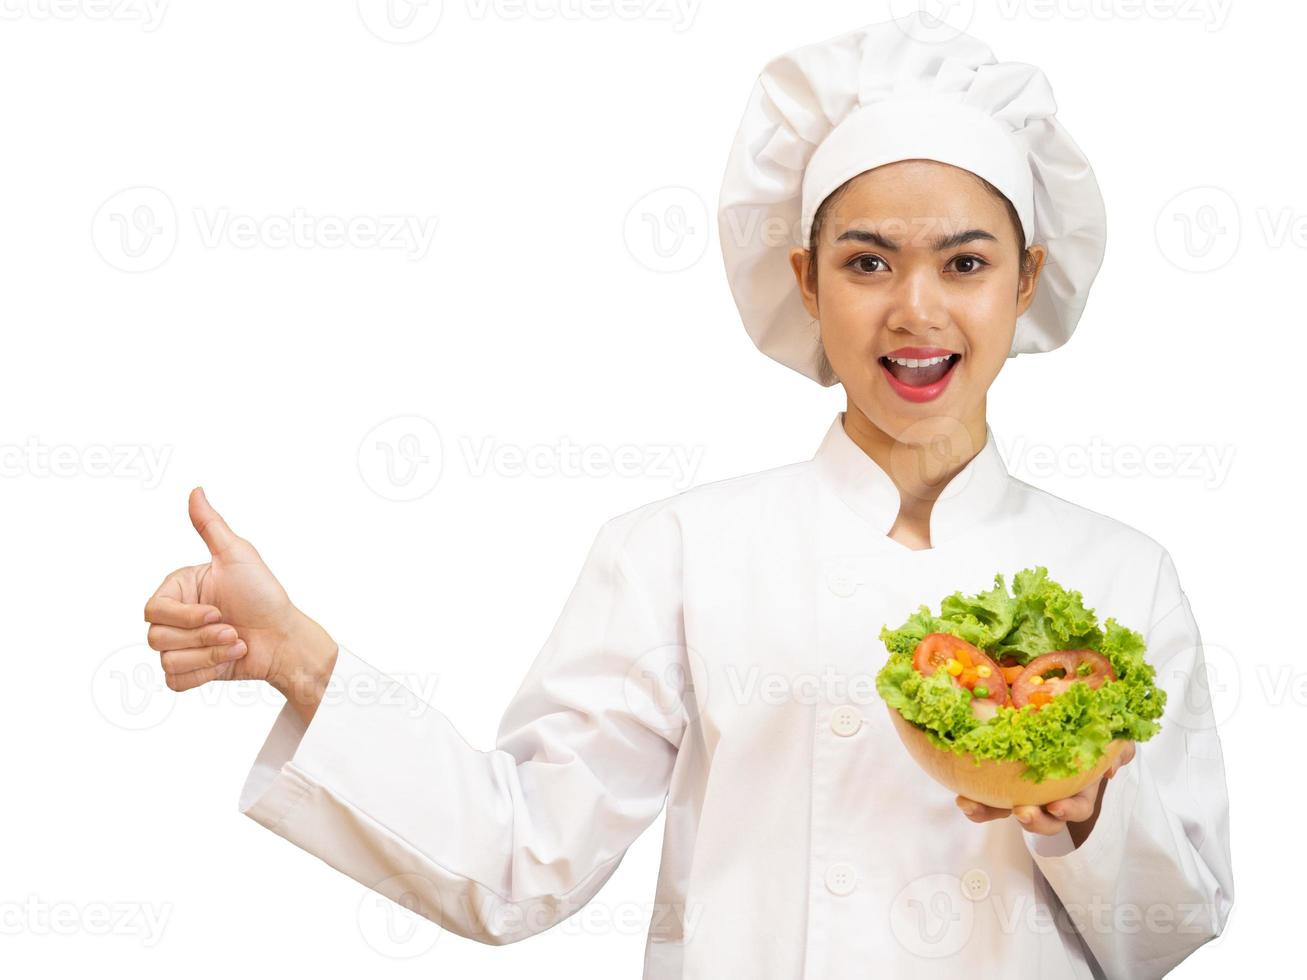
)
(230, 619)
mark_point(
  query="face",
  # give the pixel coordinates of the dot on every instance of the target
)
(918, 289)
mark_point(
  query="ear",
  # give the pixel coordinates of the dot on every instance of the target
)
(807, 288)
(1028, 280)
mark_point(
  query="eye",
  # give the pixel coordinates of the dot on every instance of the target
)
(857, 263)
(972, 264)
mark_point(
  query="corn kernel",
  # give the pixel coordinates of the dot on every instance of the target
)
(983, 670)
(954, 667)
(1036, 679)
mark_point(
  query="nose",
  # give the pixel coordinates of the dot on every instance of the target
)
(917, 303)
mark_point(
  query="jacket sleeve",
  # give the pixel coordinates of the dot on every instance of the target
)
(1153, 881)
(501, 844)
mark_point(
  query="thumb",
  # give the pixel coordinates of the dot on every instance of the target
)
(218, 537)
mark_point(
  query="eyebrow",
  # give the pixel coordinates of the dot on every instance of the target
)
(938, 244)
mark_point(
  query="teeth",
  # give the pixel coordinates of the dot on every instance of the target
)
(914, 362)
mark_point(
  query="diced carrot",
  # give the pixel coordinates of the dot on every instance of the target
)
(1010, 674)
(968, 677)
(962, 657)
(1040, 698)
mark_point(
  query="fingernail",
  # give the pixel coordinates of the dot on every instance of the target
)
(237, 650)
(1055, 810)
(1023, 817)
(968, 809)
(212, 616)
(226, 635)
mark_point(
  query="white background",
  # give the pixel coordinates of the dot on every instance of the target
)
(542, 313)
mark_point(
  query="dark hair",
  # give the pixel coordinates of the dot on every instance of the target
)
(824, 369)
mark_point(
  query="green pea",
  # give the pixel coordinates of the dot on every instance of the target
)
(980, 691)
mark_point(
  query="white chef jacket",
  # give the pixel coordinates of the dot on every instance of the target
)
(718, 653)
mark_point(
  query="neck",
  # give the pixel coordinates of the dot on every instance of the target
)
(921, 464)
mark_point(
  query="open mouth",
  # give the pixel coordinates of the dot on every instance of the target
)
(918, 372)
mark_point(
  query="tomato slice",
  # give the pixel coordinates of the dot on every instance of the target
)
(1052, 684)
(936, 649)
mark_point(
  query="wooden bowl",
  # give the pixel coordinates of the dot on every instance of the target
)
(994, 783)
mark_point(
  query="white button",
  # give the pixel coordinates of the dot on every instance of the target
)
(845, 720)
(975, 884)
(842, 584)
(841, 878)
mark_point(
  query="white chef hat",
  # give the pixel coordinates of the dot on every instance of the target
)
(823, 113)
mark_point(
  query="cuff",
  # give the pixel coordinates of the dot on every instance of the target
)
(1057, 854)
(276, 781)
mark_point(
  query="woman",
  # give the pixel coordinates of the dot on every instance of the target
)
(718, 649)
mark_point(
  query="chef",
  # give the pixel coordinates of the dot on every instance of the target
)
(717, 653)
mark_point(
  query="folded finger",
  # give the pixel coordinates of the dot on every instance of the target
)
(1073, 808)
(979, 812)
(1126, 755)
(1034, 819)
(197, 658)
(194, 678)
(174, 638)
(167, 611)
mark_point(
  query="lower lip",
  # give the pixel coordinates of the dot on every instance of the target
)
(923, 393)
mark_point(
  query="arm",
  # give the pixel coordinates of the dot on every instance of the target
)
(501, 844)
(1151, 880)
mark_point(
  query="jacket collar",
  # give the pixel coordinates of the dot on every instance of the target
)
(971, 497)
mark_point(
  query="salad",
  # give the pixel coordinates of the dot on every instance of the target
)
(1027, 675)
